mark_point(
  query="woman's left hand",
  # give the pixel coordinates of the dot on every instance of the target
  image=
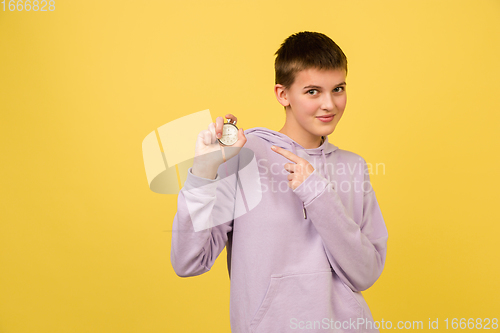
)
(299, 170)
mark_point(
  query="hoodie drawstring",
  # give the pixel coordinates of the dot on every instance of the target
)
(325, 170)
(295, 152)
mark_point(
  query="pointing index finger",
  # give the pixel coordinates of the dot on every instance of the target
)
(291, 156)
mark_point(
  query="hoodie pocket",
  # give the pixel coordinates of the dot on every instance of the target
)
(308, 301)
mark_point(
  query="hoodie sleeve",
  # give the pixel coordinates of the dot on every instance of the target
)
(201, 225)
(356, 250)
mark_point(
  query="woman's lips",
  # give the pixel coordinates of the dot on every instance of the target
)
(326, 119)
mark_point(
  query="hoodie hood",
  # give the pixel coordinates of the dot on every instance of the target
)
(285, 142)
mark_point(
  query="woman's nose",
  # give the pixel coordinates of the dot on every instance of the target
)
(327, 102)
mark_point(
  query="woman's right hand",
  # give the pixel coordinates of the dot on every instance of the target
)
(209, 153)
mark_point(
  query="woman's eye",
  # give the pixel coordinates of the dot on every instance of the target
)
(312, 92)
(337, 89)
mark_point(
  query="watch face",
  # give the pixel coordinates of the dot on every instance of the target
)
(229, 134)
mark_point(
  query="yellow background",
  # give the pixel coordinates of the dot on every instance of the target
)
(84, 243)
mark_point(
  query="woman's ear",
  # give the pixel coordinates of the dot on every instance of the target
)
(281, 94)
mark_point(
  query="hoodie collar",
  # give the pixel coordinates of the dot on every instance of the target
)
(285, 142)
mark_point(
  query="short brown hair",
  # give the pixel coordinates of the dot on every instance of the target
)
(305, 50)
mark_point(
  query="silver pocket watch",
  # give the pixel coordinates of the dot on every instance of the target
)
(229, 134)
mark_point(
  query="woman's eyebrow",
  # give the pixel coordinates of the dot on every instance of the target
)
(311, 86)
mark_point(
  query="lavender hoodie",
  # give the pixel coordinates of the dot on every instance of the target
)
(297, 259)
